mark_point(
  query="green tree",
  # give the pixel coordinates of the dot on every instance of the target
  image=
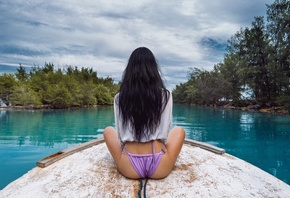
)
(7, 86)
(59, 88)
(180, 95)
(247, 62)
(88, 94)
(103, 95)
(24, 96)
(48, 68)
(278, 16)
(231, 72)
(109, 83)
(211, 86)
(258, 74)
(203, 87)
(59, 96)
(38, 82)
(21, 74)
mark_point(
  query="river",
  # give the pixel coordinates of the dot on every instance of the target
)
(28, 136)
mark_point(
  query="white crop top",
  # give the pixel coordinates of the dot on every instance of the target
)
(161, 133)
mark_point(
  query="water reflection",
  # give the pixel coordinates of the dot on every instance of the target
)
(206, 124)
(246, 121)
(45, 128)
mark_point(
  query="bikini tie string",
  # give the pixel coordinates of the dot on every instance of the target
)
(141, 186)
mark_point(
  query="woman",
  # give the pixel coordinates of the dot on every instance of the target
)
(143, 145)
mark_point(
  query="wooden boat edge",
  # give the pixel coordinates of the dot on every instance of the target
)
(64, 153)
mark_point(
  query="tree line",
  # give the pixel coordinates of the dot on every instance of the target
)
(256, 66)
(45, 86)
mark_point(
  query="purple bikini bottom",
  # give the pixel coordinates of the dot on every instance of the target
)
(145, 164)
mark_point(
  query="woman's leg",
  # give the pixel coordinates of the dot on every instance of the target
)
(113, 144)
(123, 163)
(175, 142)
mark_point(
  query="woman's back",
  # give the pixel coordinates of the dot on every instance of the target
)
(160, 131)
(142, 96)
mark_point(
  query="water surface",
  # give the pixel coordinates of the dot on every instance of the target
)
(28, 136)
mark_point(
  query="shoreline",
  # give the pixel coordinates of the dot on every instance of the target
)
(43, 107)
(274, 110)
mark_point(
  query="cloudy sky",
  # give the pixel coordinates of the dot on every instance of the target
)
(102, 33)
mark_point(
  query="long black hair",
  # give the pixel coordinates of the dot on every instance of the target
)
(142, 95)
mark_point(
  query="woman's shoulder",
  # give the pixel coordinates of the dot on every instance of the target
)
(167, 94)
(116, 99)
(166, 91)
(116, 96)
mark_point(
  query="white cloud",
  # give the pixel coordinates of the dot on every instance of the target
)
(102, 34)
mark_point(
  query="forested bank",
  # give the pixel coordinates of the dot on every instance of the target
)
(45, 87)
(255, 69)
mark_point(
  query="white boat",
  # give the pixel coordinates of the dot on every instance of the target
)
(201, 170)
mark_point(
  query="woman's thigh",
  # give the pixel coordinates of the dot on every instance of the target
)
(174, 144)
(164, 168)
(113, 144)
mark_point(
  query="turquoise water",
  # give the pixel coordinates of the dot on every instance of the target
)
(28, 136)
